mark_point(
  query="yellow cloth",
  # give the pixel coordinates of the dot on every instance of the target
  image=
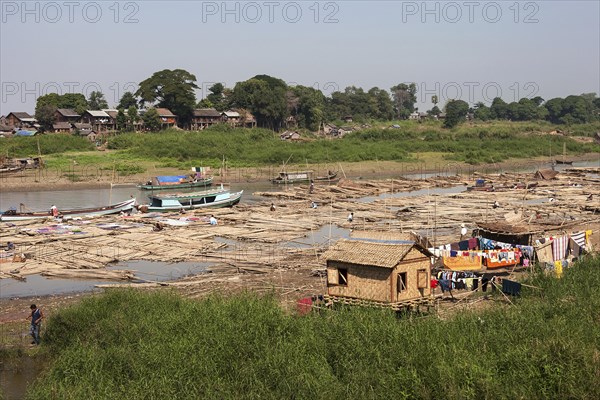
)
(558, 268)
(462, 263)
(588, 242)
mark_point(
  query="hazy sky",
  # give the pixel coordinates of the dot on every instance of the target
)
(470, 50)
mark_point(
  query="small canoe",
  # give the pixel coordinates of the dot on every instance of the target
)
(563, 162)
(13, 215)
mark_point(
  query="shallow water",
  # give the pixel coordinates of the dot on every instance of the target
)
(37, 285)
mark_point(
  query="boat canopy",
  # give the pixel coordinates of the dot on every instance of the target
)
(170, 180)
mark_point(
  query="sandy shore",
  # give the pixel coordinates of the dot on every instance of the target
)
(88, 177)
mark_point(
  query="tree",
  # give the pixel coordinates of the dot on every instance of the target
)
(265, 97)
(555, 109)
(127, 101)
(405, 97)
(435, 100)
(499, 108)
(482, 112)
(45, 115)
(121, 120)
(97, 101)
(435, 111)
(172, 89)
(456, 111)
(218, 96)
(132, 117)
(152, 120)
(73, 101)
(307, 105)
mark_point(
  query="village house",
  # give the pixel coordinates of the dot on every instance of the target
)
(348, 118)
(231, 117)
(379, 268)
(66, 115)
(205, 117)
(167, 118)
(248, 120)
(62, 127)
(100, 120)
(20, 120)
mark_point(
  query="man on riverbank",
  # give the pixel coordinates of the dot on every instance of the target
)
(36, 322)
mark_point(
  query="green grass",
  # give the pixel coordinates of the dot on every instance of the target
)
(133, 345)
(471, 143)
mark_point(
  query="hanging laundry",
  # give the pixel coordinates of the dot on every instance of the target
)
(579, 238)
(511, 287)
(558, 268)
(559, 247)
(463, 245)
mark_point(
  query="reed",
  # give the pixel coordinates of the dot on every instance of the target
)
(133, 344)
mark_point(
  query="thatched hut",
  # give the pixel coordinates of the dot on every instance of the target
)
(375, 270)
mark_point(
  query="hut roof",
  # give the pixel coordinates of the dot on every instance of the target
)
(67, 112)
(390, 236)
(504, 228)
(207, 112)
(546, 174)
(385, 254)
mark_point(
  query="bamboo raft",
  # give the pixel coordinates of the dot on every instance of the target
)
(253, 247)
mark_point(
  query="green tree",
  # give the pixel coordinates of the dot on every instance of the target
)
(307, 105)
(74, 101)
(97, 101)
(555, 109)
(405, 97)
(121, 120)
(265, 97)
(127, 101)
(132, 117)
(151, 120)
(482, 112)
(172, 89)
(218, 96)
(456, 111)
(46, 116)
(499, 109)
(435, 111)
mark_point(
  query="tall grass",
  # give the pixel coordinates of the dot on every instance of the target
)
(481, 142)
(133, 345)
(251, 147)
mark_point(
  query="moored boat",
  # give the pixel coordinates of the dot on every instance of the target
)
(302, 177)
(176, 182)
(14, 215)
(194, 200)
(565, 162)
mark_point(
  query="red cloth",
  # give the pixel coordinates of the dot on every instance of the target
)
(434, 283)
(304, 305)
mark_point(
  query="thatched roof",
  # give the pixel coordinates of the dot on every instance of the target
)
(385, 254)
(392, 235)
(504, 228)
(545, 174)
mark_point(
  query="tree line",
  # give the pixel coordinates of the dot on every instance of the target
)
(273, 102)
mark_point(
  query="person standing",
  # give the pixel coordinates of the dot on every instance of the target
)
(36, 322)
(463, 231)
(351, 217)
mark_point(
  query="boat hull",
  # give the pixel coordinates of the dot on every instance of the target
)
(187, 185)
(67, 214)
(224, 200)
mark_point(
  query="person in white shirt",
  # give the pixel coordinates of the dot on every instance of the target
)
(212, 220)
(350, 217)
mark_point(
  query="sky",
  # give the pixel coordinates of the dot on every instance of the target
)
(468, 50)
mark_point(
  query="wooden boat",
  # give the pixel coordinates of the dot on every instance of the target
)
(302, 177)
(176, 182)
(563, 162)
(330, 177)
(12, 168)
(480, 186)
(14, 215)
(191, 201)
